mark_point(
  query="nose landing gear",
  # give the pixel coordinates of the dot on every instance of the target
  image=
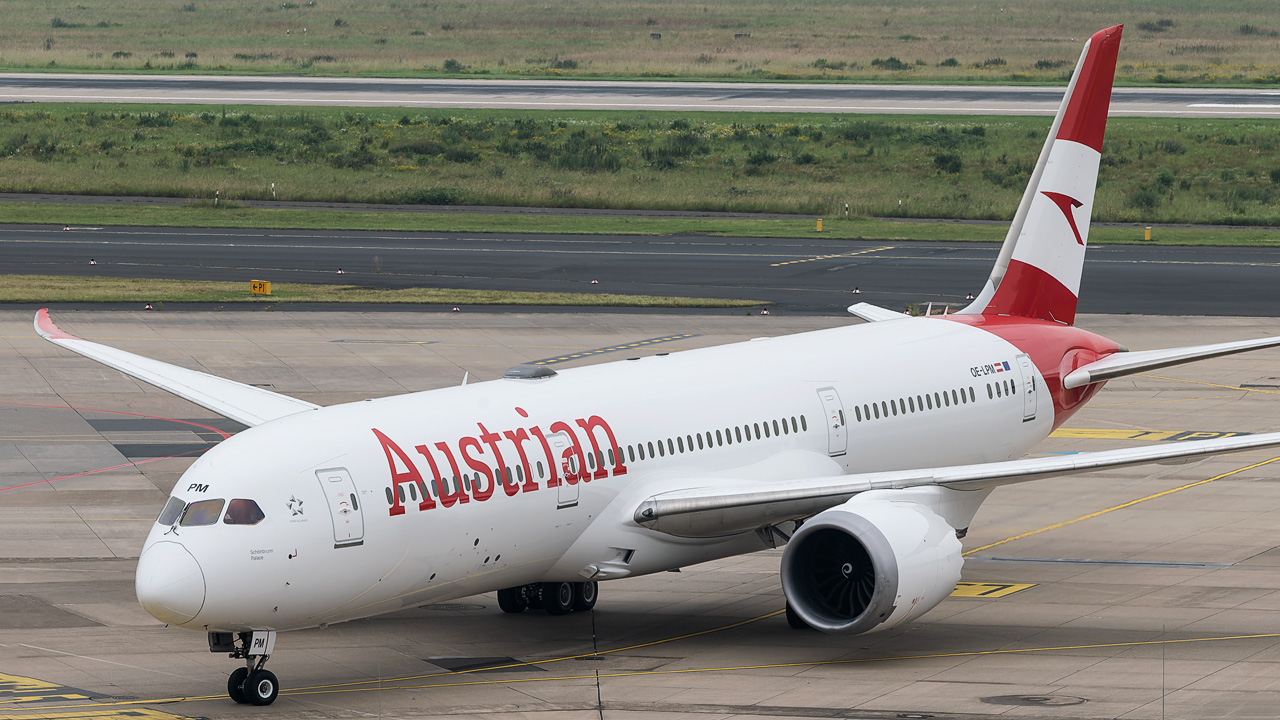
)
(252, 684)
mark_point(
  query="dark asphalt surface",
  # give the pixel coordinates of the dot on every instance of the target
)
(408, 92)
(790, 275)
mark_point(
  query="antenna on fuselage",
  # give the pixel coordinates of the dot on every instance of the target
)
(465, 375)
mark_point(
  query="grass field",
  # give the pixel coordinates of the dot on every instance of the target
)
(65, 289)
(1167, 41)
(1220, 171)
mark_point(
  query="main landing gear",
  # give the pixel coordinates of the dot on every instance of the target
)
(557, 598)
(252, 684)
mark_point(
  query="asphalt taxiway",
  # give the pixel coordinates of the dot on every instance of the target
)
(798, 275)
(1137, 593)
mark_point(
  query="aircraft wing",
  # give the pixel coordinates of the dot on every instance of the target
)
(727, 509)
(1128, 363)
(874, 313)
(242, 403)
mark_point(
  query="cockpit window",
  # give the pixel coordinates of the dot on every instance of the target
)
(203, 512)
(243, 512)
(171, 512)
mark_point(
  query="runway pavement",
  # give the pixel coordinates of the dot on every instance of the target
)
(1139, 593)
(791, 275)
(622, 95)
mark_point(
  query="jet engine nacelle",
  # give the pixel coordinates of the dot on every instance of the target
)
(870, 565)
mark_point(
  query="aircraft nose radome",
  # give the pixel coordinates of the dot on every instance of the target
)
(169, 583)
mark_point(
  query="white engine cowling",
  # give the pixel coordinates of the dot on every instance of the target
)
(870, 564)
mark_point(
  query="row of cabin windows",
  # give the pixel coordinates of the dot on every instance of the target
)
(639, 451)
(728, 436)
(1001, 389)
(920, 403)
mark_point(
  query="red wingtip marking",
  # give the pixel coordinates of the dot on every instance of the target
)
(1085, 121)
(45, 325)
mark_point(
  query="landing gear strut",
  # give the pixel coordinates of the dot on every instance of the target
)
(557, 598)
(252, 684)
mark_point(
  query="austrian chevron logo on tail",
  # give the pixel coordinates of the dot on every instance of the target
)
(1066, 203)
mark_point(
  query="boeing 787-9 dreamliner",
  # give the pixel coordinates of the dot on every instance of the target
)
(641, 466)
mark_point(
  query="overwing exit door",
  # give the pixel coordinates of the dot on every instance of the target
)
(562, 450)
(837, 433)
(344, 506)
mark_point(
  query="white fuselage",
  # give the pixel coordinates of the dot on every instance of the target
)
(881, 396)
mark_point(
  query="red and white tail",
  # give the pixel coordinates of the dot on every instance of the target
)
(1037, 274)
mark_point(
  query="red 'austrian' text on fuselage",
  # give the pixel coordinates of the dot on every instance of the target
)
(482, 456)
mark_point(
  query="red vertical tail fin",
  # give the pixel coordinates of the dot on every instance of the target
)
(1037, 273)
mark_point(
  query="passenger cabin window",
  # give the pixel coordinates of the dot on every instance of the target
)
(244, 512)
(171, 512)
(202, 512)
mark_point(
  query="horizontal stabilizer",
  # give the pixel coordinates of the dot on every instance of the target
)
(243, 403)
(875, 313)
(720, 510)
(1120, 364)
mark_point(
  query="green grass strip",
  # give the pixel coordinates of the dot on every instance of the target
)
(90, 215)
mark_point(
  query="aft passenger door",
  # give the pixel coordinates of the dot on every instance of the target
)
(344, 506)
(837, 433)
(1028, 388)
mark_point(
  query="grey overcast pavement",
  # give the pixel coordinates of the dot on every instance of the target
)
(621, 95)
(793, 275)
(1165, 608)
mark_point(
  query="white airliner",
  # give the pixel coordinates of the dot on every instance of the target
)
(318, 515)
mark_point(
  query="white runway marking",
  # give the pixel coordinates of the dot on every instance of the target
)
(109, 662)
